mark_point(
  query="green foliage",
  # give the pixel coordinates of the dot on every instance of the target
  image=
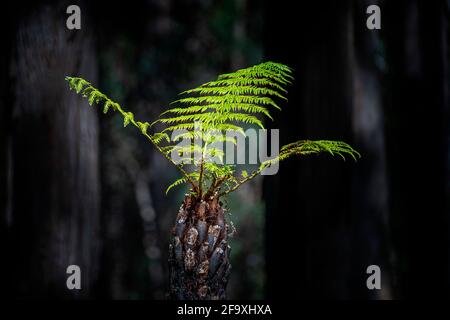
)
(232, 101)
(85, 88)
(304, 147)
(240, 97)
(307, 147)
(181, 181)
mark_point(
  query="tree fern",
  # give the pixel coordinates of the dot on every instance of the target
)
(230, 102)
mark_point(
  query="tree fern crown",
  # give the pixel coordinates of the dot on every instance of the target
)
(233, 102)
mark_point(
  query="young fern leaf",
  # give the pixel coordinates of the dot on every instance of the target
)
(233, 98)
(143, 126)
(176, 183)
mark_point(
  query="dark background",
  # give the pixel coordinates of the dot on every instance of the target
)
(77, 188)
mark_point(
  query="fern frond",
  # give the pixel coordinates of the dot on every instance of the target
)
(189, 149)
(243, 81)
(313, 147)
(187, 110)
(159, 137)
(214, 118)
(143, 126)
(205, 113)
(94, 95)
(235, 90)
(178, 182)
(223, 107)
(233, 97)
(269, 70)
(308, 147)
(219, 170)
(266, 101)
(302, 147)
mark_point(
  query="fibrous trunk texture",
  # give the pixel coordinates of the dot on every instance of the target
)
(199, 263)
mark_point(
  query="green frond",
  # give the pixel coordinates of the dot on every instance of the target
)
(143, 126)
(189, 135)
(278, 68)
(214, 153)
(127, 118)
(189, 149)
(94, 95)
(167, 149)
(219, 171)
(243, 81)
(229, 127)
(307, 147)
(235, 90)
(333, 147)
(159, 137)
(106, 106)
(181, 126)
(246, 108)
(204, 114)
(222, 107)
(214, 118)
(228, 99)
(269, 70)
(227, 103)
(178, 182)
(187, 110)
(223, 138)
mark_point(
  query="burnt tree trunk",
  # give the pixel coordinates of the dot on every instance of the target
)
(199, 262)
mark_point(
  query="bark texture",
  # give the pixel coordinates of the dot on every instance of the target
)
(199, 262)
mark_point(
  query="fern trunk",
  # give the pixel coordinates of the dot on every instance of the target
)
(199, 262)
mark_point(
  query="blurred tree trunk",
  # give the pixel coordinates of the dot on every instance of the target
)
(132, 264)
(308, 218)
(6, 25)
(55, 155)
(331, 215)
(370, 206)
(417, 117)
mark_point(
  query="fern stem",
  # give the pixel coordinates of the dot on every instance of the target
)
(301, 148)
(200, 179)
(202, 168)
(214, 185)
(185, 174)
(240, 183)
